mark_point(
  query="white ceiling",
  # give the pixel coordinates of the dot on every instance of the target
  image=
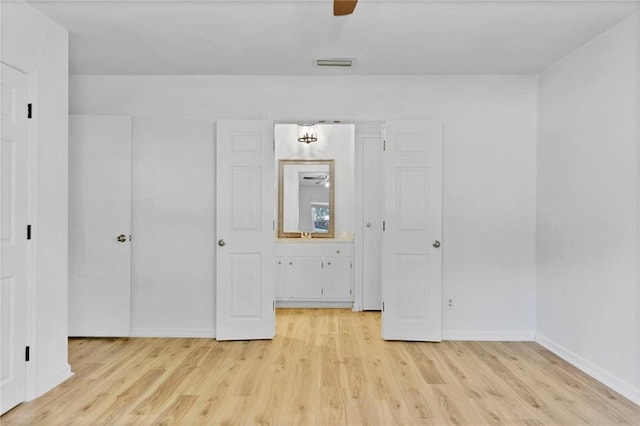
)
(283, 37)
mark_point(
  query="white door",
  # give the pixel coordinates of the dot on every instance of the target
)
(99, 225)
(411, 252)
(372, 207)
(13, 234)
(245, 260)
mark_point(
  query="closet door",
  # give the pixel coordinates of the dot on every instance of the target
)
(99, 225)
(411, 253)
(14, 261)
(245, 259)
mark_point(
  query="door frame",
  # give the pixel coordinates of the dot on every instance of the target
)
(31, 391)
(358, 223)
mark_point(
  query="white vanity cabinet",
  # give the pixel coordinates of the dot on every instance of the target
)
(315, 273)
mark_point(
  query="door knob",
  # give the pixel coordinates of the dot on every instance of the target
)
(221, 243)
(436, 243)
(122, 238)
(368, 224)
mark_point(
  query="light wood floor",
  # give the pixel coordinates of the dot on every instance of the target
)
(324, 367)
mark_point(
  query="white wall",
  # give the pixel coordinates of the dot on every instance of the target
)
(587, 214)
(34, 44)
(489, 163)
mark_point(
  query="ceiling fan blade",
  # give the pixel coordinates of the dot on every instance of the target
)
(343, 7)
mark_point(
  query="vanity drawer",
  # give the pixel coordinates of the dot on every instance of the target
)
(299, 249)
(337, 250)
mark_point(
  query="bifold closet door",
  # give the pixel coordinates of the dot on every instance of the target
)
(411, 239)
(99, 225)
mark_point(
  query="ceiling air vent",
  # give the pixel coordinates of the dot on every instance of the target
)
(335, 62)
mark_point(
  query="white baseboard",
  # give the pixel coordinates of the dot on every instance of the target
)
(53, 380)
(198, 333)
(489, 336)
(312, 304)
(617, 384)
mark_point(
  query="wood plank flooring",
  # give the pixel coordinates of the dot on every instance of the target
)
(325, 367)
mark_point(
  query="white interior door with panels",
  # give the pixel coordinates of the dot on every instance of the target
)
(245, 261)
(14, 190)
(99, 225)
(411, 252)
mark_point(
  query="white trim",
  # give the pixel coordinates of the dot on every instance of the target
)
(31, 379)
(358, 210)
(53, 380)
(624, 388)
(313, 304)
(198, 333)
(489, 336)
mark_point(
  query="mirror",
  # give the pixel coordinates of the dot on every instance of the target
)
(306, 198)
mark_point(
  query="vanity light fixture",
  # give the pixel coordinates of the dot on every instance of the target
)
(307, 133)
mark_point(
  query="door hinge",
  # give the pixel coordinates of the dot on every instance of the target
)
(274, 225)
(322, 291)
(274, 145)
(351, 265)
(26, 354)
(28, 232)
(274, 305)
(322, 264)
(29, 110)
(384, 145)
(384, 226)
(351, 291)
(382, 306)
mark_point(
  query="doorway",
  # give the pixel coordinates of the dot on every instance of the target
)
(411, 272)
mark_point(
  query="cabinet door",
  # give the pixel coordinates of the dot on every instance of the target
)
(303, 278)
(336, 278)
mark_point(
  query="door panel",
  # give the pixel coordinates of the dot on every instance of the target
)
(13, 224)
(99, 212)
(412, 267)
(245, 273)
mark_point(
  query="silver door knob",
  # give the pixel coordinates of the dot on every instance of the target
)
(436, 243)
(368, 224)
(221, 243)
(122, 238)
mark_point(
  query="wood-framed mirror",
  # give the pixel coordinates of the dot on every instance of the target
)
(306, 198)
